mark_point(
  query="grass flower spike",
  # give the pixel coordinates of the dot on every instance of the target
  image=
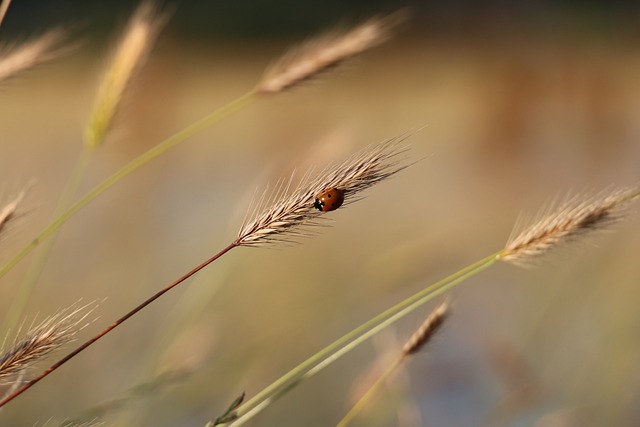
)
(572, 220)
(31, 53)
(326, 52)
(133, 49)
(291, 213)
(42, 339)
(427, 330)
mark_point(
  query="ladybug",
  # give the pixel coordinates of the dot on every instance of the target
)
(329, 200)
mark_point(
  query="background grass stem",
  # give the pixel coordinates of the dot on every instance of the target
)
(348, 342)
(366, 398)
(132, 166)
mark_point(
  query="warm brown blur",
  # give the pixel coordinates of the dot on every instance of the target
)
(508, 120)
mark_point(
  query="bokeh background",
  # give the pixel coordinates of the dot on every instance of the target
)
(517, 103)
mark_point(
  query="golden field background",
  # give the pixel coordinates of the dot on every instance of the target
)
(507, 121)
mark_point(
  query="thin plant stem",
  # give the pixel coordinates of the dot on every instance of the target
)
(114, 325)
(37, 265)
(366, 398)
(348, 342)
(132, 166)
(176, 320)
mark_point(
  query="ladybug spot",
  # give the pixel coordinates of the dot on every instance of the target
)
(329, 195)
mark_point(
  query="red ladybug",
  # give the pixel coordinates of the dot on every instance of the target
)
(329, 200)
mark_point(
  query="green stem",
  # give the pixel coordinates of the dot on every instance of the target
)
(132, 166)
(343, 345)
(366, 398)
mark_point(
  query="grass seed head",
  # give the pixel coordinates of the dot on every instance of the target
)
(572, 220)
(46, 47)
(292, 213)
(42, 339)
(130, 54)
(323, 53)
(428, 329)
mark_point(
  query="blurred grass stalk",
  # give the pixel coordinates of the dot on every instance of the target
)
(416, 342)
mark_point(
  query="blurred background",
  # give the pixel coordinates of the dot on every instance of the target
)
(517, 103)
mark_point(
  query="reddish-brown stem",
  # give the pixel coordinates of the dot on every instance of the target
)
(114, 325)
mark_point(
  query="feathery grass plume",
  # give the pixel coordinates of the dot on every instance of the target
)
(427, 330)
(130, 54)
(325, 52)
(32, 52)
(573, 219)
(42, 339)
(9, 211)
(291, 213)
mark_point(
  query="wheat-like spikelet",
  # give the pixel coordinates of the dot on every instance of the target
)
(130, 54)
(290, 213)
(574, 219)
(32, 52)
(325, 52)
(427, 330)
(42, 339)
(8, 212)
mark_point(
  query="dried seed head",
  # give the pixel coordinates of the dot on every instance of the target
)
(572, 220)
(428, 329)
(130, 54)
(323, 53)
(42, 339)
(31, 53)
(291, 212)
